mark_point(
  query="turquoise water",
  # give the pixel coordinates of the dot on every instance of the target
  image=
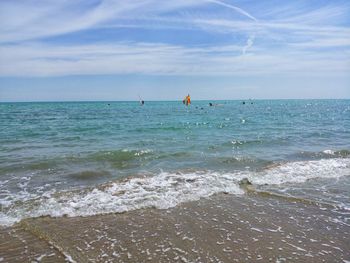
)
(47, 149)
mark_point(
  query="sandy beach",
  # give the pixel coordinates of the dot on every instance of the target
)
(223, 228)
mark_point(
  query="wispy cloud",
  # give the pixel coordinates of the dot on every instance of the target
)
(162, 59)
(259, 40)
(249, 44)
(25, 21)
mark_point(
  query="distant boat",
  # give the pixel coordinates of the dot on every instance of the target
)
(187, 100)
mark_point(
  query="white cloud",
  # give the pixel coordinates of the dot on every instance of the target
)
(122, 58)
(283, 43)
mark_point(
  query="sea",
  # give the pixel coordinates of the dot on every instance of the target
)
(70, 159)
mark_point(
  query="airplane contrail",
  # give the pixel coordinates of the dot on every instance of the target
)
(250, 40)
(239, 10)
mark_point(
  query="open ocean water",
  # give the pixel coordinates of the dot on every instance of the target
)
(91, 158)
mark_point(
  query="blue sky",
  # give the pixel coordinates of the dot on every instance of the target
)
(212, 49)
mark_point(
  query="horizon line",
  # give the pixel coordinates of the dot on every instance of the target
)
(155, 100)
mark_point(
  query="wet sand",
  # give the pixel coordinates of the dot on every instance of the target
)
(222, 228)
(19, 245)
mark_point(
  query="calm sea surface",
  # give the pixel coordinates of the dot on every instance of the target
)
(84, 158)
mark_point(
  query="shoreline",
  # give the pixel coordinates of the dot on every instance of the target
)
(222, 228)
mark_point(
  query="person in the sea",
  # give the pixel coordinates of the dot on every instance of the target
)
(215, 104)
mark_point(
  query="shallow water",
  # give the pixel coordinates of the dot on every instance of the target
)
(100, 157)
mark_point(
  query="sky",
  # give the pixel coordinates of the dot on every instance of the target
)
(161, 50)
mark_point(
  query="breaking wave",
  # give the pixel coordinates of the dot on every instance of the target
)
(163, 190)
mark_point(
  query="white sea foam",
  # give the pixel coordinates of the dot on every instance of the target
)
(299, 172)
(166, 190)
(162, 191)
(330, 152)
